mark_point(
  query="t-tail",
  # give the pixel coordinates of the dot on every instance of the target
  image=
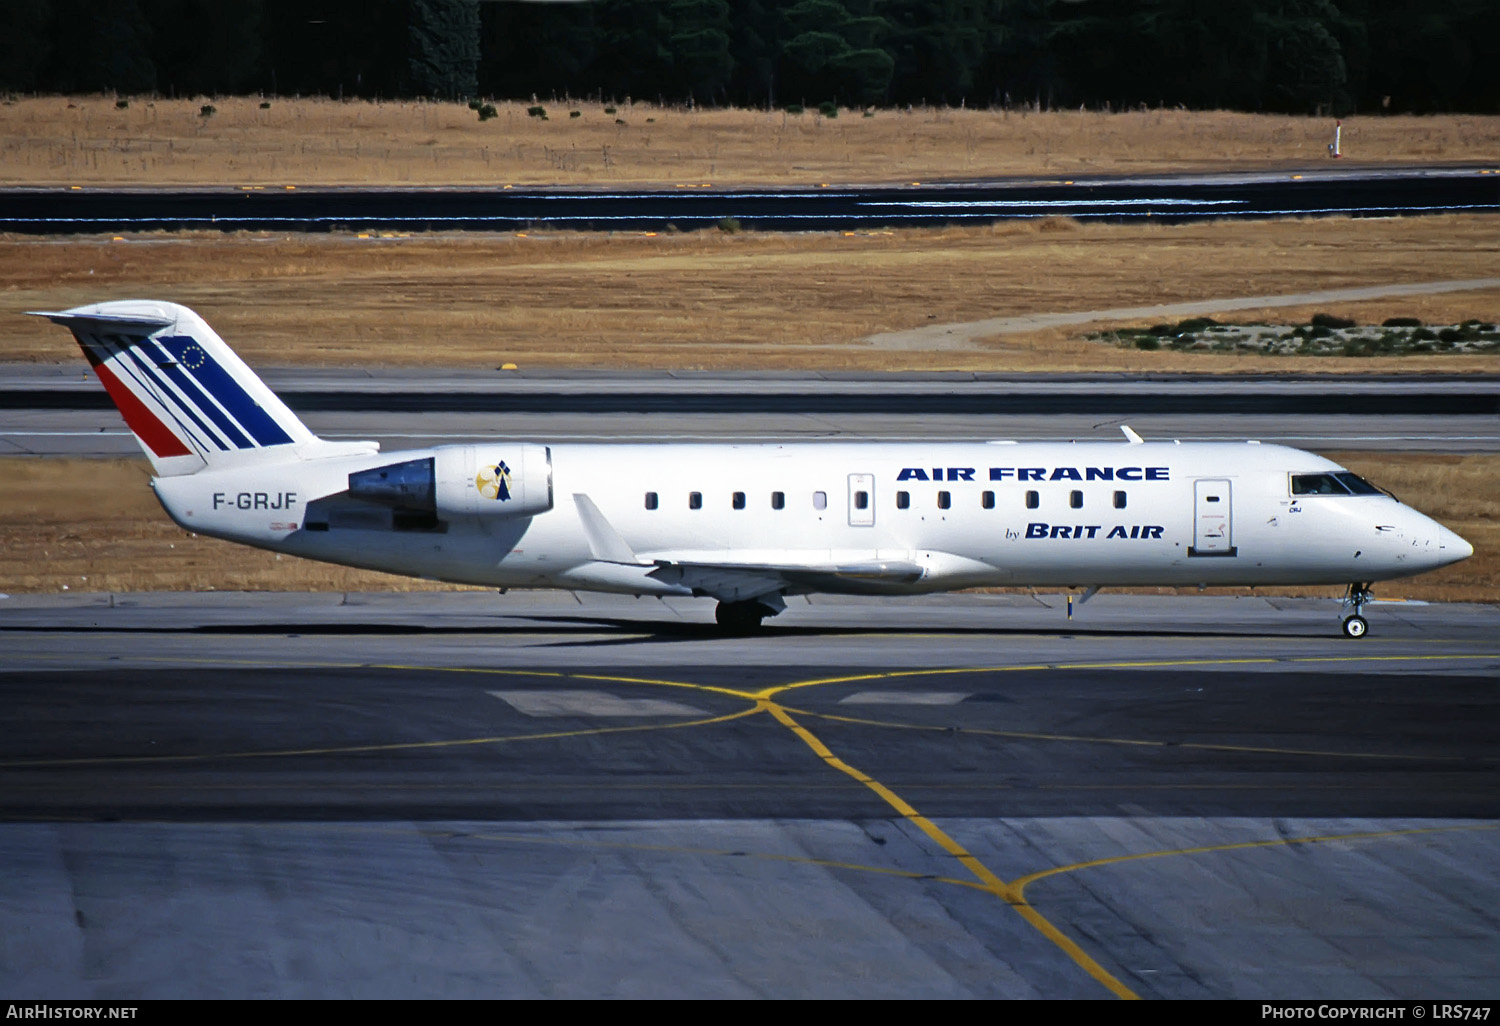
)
(189, 400)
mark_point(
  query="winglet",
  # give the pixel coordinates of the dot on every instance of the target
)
(1131, 436)
(605, 543)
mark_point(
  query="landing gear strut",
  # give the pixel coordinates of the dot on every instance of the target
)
(742, 617)
(1355, 625)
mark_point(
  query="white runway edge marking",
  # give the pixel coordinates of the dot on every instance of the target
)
(905, 698)
(590, 703)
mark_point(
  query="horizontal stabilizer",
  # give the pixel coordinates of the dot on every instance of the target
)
(142, 322)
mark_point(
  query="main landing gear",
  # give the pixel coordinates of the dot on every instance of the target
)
(742, 617)
(1355, 625)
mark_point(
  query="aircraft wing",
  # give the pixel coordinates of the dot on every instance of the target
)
(752, 574)
(737, 581)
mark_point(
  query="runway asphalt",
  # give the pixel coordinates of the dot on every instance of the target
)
(62, 411)
(534, 794)
(1311, 192)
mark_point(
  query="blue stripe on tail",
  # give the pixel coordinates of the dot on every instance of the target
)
(142, 367)
(130, 364)
(192, 358)
(196, 397)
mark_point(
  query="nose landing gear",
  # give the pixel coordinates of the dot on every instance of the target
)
(1355, 625)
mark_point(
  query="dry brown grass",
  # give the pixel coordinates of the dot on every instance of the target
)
(754, 301)
(87, 141)
(61, 535)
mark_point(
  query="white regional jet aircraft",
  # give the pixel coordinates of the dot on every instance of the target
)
(747, 525)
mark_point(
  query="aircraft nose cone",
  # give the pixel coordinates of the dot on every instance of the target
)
(1452, 547)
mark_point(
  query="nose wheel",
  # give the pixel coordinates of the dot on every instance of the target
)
(1355, 625)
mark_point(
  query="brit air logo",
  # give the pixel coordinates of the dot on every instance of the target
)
(1038, 474)
(494, 482)
(1078, 532)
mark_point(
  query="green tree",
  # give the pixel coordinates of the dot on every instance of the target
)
(202, 47)
(832, 53)
(862, 77)
(107, 46)
(1426, 55)
(538, 49)
(335, 47)
(635, 60)
(443, 54)
(699, 44)
(1023, 66)
(938, 45)
(1304, 67)
(753, 32)
(25, 45)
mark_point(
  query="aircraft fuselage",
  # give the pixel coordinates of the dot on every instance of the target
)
(967, 514)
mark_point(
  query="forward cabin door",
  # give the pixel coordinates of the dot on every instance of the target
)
(861, 500)
(1213, 528)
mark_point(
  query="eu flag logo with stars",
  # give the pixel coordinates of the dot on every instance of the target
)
(193, 356)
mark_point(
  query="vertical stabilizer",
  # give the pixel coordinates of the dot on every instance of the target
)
(189, 400)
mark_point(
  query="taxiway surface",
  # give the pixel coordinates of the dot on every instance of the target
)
(465, 794)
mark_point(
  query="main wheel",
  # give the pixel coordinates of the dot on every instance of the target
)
(740, 617)
(1355, 627)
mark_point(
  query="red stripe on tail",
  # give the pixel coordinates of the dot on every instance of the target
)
(159, 438)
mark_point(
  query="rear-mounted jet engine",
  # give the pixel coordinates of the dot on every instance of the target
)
(463, 480)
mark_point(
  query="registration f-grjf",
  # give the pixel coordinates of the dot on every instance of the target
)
(747, 525)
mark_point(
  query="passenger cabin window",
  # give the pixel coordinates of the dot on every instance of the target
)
(1119, 500)
(1033, 500)
(861, 500)
(695, 500)
(778, 500)
(903, 500)
(987, 500)
(820, 500)
(650, 500)
(739, 500)
(1075, 499)
(945, 499)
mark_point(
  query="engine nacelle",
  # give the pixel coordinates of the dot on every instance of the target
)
(494, 480)
(500, 480)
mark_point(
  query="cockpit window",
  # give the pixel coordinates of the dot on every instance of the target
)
(1357, 484)
(1317, 484)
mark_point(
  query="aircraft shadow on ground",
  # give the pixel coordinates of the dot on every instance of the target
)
(643, 631)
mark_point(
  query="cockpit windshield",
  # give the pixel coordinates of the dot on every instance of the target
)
(1357, 484)
(1338, 483)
